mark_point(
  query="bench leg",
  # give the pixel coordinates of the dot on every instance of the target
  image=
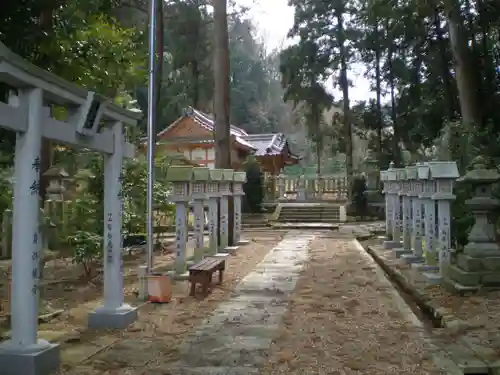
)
(206, 284)
(221, 276)
(193, 288)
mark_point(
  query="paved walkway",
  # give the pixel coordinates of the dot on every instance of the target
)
(236, 338)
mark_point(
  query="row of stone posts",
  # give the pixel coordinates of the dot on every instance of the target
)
(210, 187)
(418, 223)
(418, 215)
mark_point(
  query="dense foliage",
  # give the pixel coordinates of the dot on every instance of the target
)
(102, 45)
(433, 70)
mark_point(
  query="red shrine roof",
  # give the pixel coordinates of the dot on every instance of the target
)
(261, 144)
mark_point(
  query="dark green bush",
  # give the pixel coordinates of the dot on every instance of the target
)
(253, 188)
(359, 203)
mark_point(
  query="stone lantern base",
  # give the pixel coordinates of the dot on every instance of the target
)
(475, 269)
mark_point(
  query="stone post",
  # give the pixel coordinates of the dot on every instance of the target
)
(215, 176)
(397, 213)
(405, 194)
(321, 187)
(429, 219)
(444, 173)
(391, 187)
(281, 187)
(477, 266)
(198, 194)
(301, 188)
(238, 193)
(416, 225)
(388, 206)
(225, 192)
(114, 314)
(181, 177)
(24, 344)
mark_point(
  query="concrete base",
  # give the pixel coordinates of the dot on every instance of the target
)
(221, 255)
(242, 242)
(104, 318)
(422, 267)
(231, 249)
(433, 278)
(391, 244)
(412, 259)
(178, 276)
(44, 359)
(382, 239)
(457, 288)
(400, 251)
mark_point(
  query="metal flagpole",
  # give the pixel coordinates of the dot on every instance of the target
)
(151, 130)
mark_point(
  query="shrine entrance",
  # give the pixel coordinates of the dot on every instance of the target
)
(93, 123)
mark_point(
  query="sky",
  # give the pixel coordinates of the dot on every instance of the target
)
(273, 19)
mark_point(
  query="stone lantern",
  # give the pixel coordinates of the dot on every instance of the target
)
(239, 179)
(180, 176)
(444, 173)
(57, 178)
(54, 208)
(213, 195)
(478, 265)
(201, 175)
(225, 192)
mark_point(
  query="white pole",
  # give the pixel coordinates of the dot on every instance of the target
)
(26, 236)
(152, 94)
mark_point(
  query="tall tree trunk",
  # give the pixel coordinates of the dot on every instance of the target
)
(344, 84)
(466, 81)
(449, 91)
(378, 88)
(221, 95)
(195, 75)
(394, 114)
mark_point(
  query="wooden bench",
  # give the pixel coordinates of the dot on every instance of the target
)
(202, 272)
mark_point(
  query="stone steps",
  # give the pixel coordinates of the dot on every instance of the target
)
(310, 214)
(254, 221)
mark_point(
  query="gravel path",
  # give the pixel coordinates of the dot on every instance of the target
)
(316, 304)
(346, 318)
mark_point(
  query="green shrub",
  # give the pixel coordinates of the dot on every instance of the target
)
(359, 204)
(253, 188)
(87, 250)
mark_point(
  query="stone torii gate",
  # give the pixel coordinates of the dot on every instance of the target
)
(93, 123)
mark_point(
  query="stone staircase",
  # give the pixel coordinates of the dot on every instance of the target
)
(254, 221)
(310, 213)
